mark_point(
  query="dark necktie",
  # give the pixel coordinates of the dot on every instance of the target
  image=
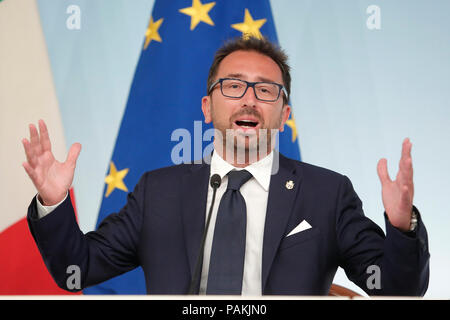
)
(226, 266)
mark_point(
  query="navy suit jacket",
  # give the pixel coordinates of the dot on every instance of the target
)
(160, 228)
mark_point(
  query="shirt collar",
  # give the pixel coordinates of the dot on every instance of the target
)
(260, 170)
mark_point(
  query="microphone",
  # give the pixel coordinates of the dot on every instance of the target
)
(215, 184)
(215, 181)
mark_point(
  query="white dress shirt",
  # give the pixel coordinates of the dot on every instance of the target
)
(255, 192)
(44, 210)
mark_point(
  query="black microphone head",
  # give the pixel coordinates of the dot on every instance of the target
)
(215, 181)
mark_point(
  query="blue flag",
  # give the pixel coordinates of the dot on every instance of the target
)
(169, 82)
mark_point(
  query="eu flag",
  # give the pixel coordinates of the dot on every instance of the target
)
(169, 82)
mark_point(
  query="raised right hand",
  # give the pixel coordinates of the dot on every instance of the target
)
(51, 178)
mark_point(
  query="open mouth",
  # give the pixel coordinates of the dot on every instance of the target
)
(246, 123)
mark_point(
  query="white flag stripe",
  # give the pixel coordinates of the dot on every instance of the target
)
(27, 94)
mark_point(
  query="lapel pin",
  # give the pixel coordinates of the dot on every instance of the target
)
(289, 184)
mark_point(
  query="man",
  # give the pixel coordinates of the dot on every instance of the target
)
(278, 226)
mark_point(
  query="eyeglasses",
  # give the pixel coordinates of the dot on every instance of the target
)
(236, 88)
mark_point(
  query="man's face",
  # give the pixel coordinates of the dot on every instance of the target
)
(233, 113)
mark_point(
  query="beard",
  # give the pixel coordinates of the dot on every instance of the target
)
(244, 146)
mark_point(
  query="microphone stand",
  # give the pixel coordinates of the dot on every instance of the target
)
(215, 184)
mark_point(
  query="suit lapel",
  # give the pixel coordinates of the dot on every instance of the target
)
(279, 208)
(195, 190)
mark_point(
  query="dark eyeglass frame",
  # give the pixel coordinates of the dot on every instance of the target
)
(249, 84)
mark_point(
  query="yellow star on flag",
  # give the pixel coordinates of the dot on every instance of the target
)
(152, 32)
(250, 27)
(199, 13)
(291, 124)
(115, 179)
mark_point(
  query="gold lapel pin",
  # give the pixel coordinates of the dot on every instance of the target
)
(289, 184)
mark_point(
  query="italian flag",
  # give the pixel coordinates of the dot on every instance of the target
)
(27, 94)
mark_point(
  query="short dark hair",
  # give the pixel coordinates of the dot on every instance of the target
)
(260, 45)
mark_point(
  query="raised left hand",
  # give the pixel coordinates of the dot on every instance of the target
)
(398, 194)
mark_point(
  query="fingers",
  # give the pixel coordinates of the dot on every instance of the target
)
(383, 172)
(406, 170)
(44, 138)
(406, 148)
(34, 140)
(39, 142)
(29, 153)
(74, 152)
(405, 165)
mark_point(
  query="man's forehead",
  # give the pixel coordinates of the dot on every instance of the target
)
(249, 64)
(244, 76)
